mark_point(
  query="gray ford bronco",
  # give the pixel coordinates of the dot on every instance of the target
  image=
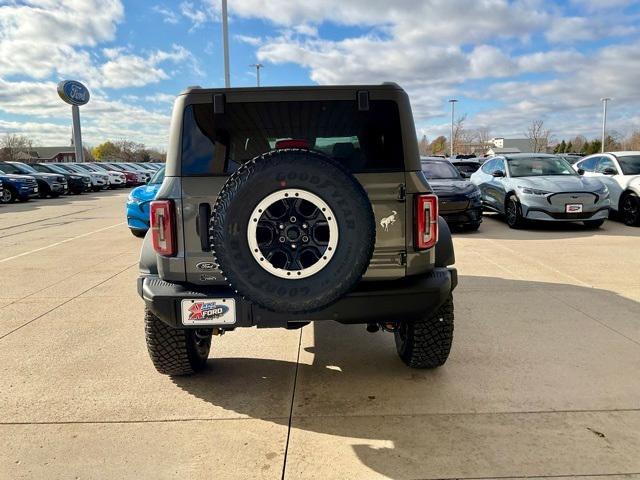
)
(286, 205)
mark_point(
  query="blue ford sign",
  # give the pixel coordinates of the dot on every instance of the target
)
(73, 92)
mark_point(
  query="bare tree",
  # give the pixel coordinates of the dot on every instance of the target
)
(462, 138)
(538, 136)
(483, 135)
(577, 143)
(632, 142)
(423, 146)
(14, 147)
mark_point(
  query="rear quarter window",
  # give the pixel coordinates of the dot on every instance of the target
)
(363, 141)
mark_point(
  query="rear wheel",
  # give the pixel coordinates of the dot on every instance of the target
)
(593, 223)
(426, 343)
(175, 351)
(513, 213)
(630, 210)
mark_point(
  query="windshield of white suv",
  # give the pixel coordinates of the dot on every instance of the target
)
(439, 170)
(539, 166)
(630, 164)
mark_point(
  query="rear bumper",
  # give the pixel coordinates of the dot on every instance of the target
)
(370, 302)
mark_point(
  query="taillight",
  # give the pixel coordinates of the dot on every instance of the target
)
(163, 227)
(426, 221)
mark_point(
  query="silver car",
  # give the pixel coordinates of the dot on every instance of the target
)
(538, 186)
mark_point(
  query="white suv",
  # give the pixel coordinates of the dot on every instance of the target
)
(620, 172)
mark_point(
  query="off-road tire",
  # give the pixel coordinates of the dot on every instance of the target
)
(306, 171)
(426, 342)
(513, 213)
(138, 232)
(175, 351)
(593, 224)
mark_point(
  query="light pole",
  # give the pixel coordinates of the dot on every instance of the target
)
(225, 44)
(258, 67)
(604, 121)
(452, 102)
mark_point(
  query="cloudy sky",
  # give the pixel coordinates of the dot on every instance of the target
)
(508, 62)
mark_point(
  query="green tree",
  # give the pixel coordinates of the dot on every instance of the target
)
(561, 147)
(586, 147)
(439, 146)
(594, 147)
(569, 147)
(105, 151)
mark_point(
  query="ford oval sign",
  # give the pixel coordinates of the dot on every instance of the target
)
(73, 92)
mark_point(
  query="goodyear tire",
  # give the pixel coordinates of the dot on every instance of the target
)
(426, 342)
(292, 231)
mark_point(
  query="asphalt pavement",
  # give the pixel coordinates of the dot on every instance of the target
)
(542, 380)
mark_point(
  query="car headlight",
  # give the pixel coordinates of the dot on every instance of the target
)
(532, 191)
(603, 190)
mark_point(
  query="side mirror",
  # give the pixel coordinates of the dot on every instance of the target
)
(609, 171)
(465, 175)
(498, 174)
(580, 171)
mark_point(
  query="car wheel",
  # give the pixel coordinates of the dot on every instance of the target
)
(138, 232)
(175, 351)
(426, 342)
(630, 210)
(593, 223)
(292, 230)
(513, 213)
(8, 196)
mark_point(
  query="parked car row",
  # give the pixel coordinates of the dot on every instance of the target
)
(23, 181)
(537, 186)
(546, 187)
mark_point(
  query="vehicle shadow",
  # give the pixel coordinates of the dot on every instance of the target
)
(350, 384)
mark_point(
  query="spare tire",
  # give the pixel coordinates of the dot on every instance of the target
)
(292, 231)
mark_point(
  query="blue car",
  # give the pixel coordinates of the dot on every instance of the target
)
(138, 204)
(17, 187)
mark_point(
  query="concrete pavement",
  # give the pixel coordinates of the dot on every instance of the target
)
(542, 380)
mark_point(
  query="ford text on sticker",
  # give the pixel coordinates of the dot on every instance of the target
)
(206, 311)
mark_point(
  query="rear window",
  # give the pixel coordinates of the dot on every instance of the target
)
(363, 141)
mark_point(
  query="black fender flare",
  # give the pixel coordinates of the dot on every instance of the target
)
(445, 255)
(148, 261)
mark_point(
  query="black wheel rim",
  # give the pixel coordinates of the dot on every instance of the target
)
(630, 211)
(294, 235)
(512, 212)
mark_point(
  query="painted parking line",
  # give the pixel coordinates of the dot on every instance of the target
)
(24, 254)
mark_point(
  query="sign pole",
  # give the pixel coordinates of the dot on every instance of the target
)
(75, 94)
(77, 135)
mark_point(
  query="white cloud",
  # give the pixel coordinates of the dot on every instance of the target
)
(168, 15)
(249, 40)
